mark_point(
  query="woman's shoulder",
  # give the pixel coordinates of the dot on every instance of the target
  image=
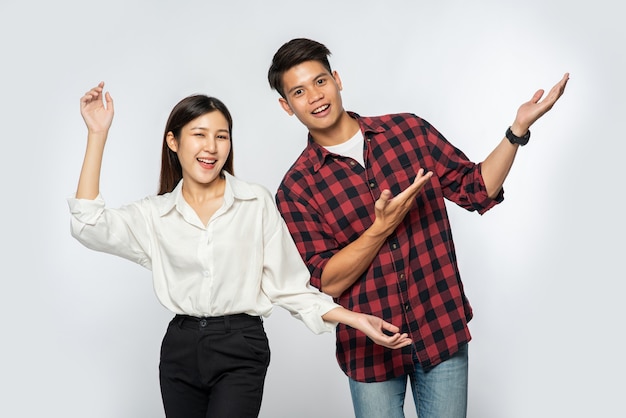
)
(243, 188)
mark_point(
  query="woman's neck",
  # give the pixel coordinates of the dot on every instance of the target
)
(205, 200)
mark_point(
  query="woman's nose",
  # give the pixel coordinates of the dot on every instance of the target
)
(210, 145)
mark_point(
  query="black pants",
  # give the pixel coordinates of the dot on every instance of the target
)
(213, 367)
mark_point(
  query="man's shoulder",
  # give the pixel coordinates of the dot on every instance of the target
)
(302, 165)
(390, 119)
(299, 178)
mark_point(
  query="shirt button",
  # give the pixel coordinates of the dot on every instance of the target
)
(352, 163)
(372, 185)
(407, 307)
(402, 276)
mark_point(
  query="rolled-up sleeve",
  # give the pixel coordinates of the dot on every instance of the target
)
(310, 232)
(461, 179)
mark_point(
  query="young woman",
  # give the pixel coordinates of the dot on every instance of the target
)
(220, 256)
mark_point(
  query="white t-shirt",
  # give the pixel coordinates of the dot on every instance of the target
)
(352, 148)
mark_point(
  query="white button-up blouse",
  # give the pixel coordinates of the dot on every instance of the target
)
(243, 261)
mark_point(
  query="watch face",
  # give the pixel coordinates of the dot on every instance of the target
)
(516, 139)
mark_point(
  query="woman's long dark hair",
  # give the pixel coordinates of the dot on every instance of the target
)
(184, 112)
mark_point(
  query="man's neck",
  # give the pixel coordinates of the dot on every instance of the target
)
(340, 132)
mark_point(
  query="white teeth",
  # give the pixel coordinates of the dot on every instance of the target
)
(206, 161)
(321, 109)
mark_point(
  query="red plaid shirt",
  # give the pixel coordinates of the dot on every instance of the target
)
(327, 202)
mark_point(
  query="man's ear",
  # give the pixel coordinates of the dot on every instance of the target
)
(337, 80)
(171, 141)
(285, 105)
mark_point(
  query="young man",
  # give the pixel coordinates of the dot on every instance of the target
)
(364, 203)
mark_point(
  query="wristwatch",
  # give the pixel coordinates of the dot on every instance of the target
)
(522, 140)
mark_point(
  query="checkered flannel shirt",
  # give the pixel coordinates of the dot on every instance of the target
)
(328, 201)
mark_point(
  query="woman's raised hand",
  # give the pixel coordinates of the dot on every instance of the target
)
(96, 113)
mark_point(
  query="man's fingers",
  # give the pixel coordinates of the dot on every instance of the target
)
(420, 180)
(383, 200)
(422, 177)
(537, 96)
(386, 195)
(407, 195)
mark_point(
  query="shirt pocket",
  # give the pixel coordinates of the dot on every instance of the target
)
(402, 171)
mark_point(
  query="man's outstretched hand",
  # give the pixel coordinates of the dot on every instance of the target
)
(529, 112)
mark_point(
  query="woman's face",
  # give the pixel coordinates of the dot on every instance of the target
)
(202, 148)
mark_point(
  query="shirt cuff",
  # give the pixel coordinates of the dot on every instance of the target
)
(313, 317)
(86, 211)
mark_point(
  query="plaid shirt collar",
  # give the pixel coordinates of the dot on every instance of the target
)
(317, 154)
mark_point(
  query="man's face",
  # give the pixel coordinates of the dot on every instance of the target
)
(313, 95)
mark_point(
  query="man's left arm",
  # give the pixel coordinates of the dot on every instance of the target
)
(497, 165)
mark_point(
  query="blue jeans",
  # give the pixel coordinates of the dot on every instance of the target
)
(438, 393)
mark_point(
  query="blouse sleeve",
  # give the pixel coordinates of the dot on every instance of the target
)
(286, 280)
(122, 232)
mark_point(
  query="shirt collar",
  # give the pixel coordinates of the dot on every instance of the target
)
(235, 190)
(317, 154)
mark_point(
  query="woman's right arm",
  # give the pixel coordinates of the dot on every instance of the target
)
(124, 231)
(372, 326)
(98, 118)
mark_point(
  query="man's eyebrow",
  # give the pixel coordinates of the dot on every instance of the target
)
(322, 74)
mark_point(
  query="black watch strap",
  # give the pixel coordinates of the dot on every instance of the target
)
(522, 140)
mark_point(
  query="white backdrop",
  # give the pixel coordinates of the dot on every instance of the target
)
(81, 330)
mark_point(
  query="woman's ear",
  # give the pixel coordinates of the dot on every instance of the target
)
(171, 141)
